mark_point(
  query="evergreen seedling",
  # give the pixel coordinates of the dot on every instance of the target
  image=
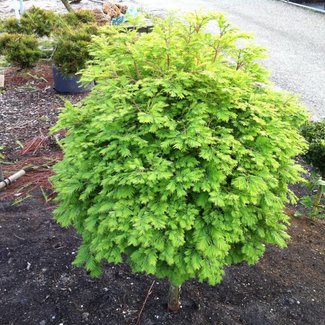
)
(178, 162)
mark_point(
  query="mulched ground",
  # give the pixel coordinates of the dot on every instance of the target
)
(38, 285)
(28, 107)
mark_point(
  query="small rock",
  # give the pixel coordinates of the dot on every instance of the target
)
(290, 301)
(85, 316)
(42, 322)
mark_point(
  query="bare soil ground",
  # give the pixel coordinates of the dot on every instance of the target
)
(38, 285)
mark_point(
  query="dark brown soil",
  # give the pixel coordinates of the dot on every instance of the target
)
(39, 286)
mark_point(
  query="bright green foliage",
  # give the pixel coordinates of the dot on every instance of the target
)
(20, 49)
(178, 162)
(71, 48)
(314, 133)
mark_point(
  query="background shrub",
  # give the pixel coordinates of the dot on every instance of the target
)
(314, 133)
(38, 21)
(79, 17)
(177, 162)
(13, 26)
(34, 21)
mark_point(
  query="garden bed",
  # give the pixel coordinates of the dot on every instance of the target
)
(38, 285)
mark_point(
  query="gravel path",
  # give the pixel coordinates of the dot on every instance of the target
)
(294, 37)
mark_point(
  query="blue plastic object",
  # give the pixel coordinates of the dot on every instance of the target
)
(68, 84)
(118, 20)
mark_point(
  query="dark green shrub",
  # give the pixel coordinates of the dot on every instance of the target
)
(80, 17)
(71, 48)
(13, 26)
(4, 40)
(40, 22)
(177, 163)
(20, 49)
(314, 133)
(34, 21)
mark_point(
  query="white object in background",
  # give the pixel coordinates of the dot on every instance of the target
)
(16, 6)
(21, 7)
(10, 179)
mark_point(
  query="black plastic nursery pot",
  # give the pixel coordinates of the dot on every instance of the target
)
(68, 83)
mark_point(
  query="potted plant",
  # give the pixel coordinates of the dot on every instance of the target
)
(70, 56)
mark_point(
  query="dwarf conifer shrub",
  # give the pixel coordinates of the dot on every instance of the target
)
(178, 162)
(13, 26)
(39, 21)
(34, 21)
(77, 18)
(20, 49)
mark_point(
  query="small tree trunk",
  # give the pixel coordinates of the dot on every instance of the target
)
(1, 175)
(67, 5)
(174, 295)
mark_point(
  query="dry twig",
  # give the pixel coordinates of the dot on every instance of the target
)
(144, 303)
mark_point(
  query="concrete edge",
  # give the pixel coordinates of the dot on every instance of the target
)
(303, 7)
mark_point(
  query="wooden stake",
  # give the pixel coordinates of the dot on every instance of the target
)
(2, 80)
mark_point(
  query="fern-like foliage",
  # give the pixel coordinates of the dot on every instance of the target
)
(178, 162)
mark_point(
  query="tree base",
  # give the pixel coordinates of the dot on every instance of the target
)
(174, 294)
